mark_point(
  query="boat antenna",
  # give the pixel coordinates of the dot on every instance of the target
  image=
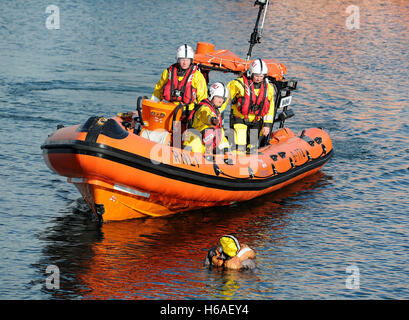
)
(258, 31)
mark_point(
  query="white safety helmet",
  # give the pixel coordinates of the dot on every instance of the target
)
(258, 66)
(185, 52)
(217, 89)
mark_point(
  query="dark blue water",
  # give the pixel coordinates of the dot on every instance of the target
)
(354, 212)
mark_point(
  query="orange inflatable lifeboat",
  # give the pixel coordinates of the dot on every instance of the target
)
(132, 165)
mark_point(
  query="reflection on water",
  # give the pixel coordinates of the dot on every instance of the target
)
(162, 258)
(69, 245)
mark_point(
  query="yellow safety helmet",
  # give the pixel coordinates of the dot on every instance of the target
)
(230, 245)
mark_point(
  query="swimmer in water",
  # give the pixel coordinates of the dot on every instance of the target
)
(229, 254)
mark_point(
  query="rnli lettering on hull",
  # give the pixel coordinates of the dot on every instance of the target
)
(298, 155)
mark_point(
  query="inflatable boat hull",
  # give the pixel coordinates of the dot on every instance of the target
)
(122, 175)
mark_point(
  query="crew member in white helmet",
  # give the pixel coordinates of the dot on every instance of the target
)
(182, 82)
(206, 132)
(252, 104)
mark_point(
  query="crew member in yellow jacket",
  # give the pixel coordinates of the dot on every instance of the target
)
(252, 99)
(205, 131)
(182, 82)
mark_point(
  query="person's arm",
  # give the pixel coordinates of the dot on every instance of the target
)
(269, 117)
(233, 263)
(210, 254)
(206, 116)
(235, 89)
(158, 90)
(246, 253)
(216, 260)
(199, 83)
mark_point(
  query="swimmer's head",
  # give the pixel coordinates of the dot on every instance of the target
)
(230, 245)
